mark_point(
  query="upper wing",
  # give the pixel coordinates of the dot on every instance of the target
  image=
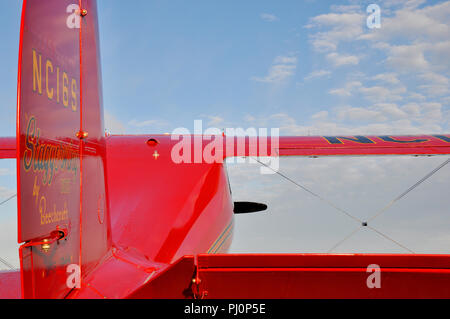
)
(8, 147)
(312, 145)
(337, 145)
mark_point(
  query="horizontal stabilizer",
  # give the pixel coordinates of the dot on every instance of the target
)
(8, 147)
(324, 276)
(10, 285)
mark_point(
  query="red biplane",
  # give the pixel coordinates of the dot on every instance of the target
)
(92, 223)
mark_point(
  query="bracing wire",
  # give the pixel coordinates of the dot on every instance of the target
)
(8, 199)
(7, 264)
(362, 224)
(3, 261)
(311, 192)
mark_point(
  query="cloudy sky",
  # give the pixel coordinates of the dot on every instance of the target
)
(307, 67)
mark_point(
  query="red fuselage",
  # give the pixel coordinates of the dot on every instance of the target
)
(162, 209)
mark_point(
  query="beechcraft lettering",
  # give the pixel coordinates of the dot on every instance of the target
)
(370, 140)
(64, 89)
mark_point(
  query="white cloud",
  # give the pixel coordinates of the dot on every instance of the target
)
(408, 4)
(113, 125)
(215, 121)
(317, 74)
(359, 114)
(340, 59)
(353, 8)
(343, 27)
(322, 115)
(283, 68)
(407, 58)
(268, 17)
(436, 84)
(390, 78)
(347, 90)
(371, 93)
(381, 93)
(425, 25)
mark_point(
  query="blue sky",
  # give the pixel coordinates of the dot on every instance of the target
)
(306, 67)
(287, 64)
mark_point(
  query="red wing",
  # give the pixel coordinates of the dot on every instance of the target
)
(322, 276)
(301, 276)
(337, 145)
(319, 146)
(10, 285)
(8, 147)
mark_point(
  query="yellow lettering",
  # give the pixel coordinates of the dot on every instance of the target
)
(65, 89)
(57, 85)
(37, 72)
(74, 95)
(48, 66)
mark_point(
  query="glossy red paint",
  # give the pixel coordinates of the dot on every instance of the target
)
(337, 145)
(136, 219)
(49, 152)
(95, 232)
(60, 171)
(10, 285)
(322, 276)
(167, 210)
(160, 211)
(8, 147)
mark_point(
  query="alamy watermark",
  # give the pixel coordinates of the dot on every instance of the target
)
(374, 279)
(239, 145)
(374, 18)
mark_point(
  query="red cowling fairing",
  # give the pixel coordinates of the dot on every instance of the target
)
(8, 147)
(160, 212)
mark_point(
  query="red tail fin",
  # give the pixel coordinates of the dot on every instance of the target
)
(63, 218)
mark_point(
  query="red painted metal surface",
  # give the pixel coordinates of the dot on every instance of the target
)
(49, 151)
(61, 145)
(8, 147)
(322, 276)
(10, 285)
(94, 213)
(133, 218)
(163, 209)
(337, 145)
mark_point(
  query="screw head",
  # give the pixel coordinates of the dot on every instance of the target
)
(45, 247)
(82, 135)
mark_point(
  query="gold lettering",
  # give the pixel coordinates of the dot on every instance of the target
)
(37, 72)
(57, 85)
(74, 95)
(65, 89)
(48, 66)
